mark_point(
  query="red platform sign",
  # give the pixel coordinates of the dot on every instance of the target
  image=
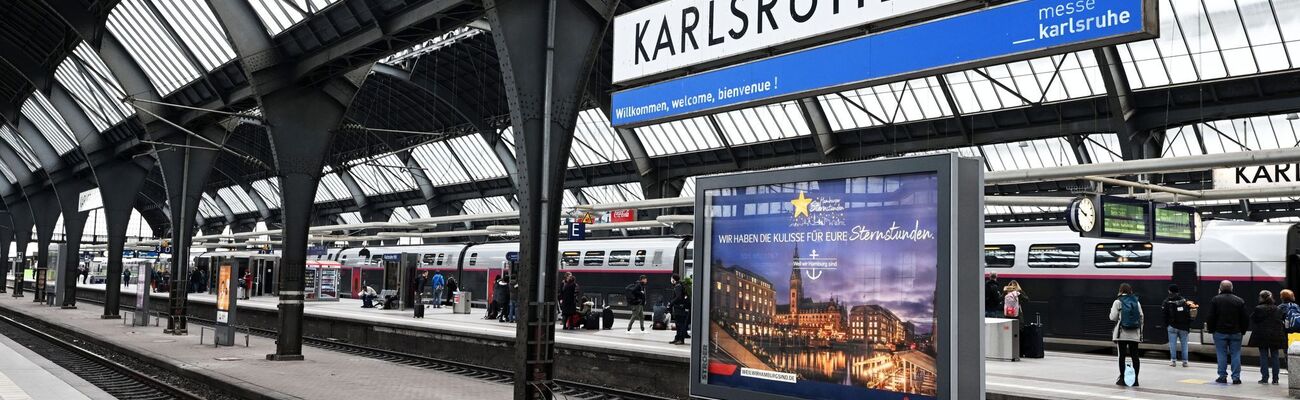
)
(622, 216)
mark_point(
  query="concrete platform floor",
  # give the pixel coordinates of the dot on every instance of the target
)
(1082, 376)
(323, 375)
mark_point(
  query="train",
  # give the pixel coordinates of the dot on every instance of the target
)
(1071, 281)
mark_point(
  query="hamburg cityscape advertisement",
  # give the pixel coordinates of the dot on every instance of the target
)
(825, 289)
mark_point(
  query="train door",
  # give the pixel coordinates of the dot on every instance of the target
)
(263, 277)
(1187, 278)
(1293, 258)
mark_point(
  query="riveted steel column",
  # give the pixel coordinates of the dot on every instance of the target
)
(45, 217)
(185, 171)
(21, 213)
(74, 222)
(6, 238)
(545, 64)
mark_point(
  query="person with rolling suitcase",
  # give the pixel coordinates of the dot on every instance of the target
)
(1126, 311)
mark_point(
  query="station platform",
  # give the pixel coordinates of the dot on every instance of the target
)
(637, 341)
(324, 374)
(26, 375)
(1061, 375)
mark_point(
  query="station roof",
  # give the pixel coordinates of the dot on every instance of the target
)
(1223, 77)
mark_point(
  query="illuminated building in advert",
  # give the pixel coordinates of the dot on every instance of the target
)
(806, 318)
(745, 301)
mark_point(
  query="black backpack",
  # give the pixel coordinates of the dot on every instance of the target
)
(1180, 312)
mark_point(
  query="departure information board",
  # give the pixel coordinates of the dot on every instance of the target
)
(1125, 218)
(1176, 224)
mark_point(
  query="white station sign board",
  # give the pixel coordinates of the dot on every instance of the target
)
(674, 34)
(89, 200)
(1257, 176)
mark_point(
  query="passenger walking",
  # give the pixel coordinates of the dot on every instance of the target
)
(681, 306)
(1268, 335)
(1178, 323)
(1226, 318)
(1011, 300)
(1126, 311)
(636, 300)
(569, 302)
(992, 296)
(437, 283)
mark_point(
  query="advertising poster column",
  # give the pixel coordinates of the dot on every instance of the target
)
(142, 294)
(227, 282)
(843, 281)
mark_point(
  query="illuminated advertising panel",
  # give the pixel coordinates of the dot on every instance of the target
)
(223, 293)
(832, 284)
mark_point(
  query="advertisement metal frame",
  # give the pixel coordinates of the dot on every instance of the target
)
(959, 286)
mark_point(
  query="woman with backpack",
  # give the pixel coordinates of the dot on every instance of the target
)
(1178, 323)
(1268, 335)
(1126, 311)
(1012, 299)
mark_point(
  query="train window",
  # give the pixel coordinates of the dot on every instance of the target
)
(1123, 255)
(640, 258)
(593, 259)
(426, 259)
(999, 256)
(473, 259)
(442, 257)
(620, 258)
(1064, 255)
(569, 259)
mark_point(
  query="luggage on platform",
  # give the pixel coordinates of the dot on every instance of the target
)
(607, 318)
(1031, 339)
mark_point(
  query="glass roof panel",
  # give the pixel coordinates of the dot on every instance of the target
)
(350, 218)
(477, 157)
(331, 187)
(9, 175)
(1040, 153)
(94, 88)
(237, 199)
(419, 211)
(594, 140)
(269, 190)
(38, 110)
(399, 215)
(144, 36)
(683, 136)
(1104, 148)
(382, 175)
(208, 208)
(1181, 142)
(569, 200)
(1247, 134)
(913, 100)
(763, 123)
(618, 193)
(278, 15)
(20, 146)
(439, 164)
(198, 28)
(487, 205)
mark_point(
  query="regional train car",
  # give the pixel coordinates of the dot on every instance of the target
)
(603, 268)
(1071, 281)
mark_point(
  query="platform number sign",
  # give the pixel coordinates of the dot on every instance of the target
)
(577, 231)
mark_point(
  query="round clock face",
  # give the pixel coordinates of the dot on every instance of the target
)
(1086, 214)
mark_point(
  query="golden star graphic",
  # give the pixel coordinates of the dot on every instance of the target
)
(801, 205)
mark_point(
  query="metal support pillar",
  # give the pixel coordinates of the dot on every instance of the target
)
(118, 203)
(74, 223)
(6, 238)
(545, 64)
(185, 168)
(45, 218)
(21, 213)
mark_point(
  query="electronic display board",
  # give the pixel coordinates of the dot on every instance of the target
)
(829, 283)
(223, 293)
(1176, 224)
(1125, 218)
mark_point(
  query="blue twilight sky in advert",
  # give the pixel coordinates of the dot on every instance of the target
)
(860, 240)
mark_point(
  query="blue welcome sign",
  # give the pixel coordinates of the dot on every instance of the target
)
(1004, 33)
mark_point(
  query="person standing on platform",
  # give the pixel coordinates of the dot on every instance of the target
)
(1012, 300)
(681, 306)
(452, 287)
(418, 290)
(1178, 323)
(1227, 319)
(569, 301)
(85, 273)
(248, 285)
(437, 282)
(1126, 311)
(1268, 335)
(992, 296)
(502, 296)
(636, 300)
(126, 277)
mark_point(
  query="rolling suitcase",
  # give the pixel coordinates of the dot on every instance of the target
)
(591, 321)
(606, 318)
(1031, 338)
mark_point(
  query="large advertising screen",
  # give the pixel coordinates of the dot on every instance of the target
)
(826, 289)
(223, 293)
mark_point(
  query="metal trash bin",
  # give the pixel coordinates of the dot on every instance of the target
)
(460, 302)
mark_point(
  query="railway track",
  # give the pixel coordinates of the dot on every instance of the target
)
(563, 389)
(113, 377)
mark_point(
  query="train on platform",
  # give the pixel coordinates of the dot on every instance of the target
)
(1071, 281)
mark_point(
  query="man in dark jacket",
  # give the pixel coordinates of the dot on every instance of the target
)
(569, 301)
(636, 300)
(1228, 320)
(1178, 323)
(501, 296)
(992, 296)
(681, 306)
